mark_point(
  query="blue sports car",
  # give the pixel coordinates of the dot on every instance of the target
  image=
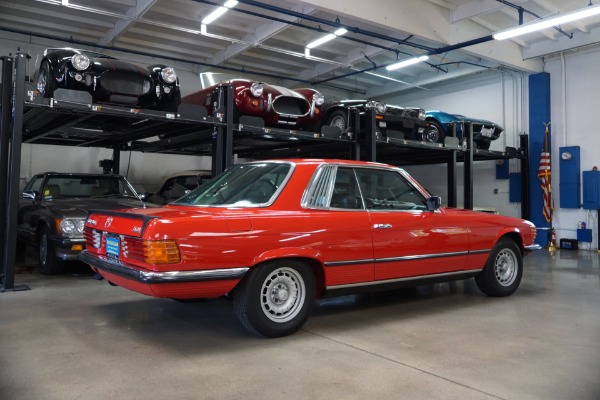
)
(440, 125)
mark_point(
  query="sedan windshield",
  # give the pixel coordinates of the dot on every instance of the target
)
(247, 185)
(84, 186)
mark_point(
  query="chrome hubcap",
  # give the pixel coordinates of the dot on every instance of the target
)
(505, 267)
(282, 295)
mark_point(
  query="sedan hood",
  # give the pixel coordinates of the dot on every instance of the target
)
(81, 207)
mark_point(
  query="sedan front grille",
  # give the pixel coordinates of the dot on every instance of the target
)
(293, 106)
(125, 82)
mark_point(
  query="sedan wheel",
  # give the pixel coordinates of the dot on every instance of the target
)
(275, 299)
(48, 263)
(502, 273)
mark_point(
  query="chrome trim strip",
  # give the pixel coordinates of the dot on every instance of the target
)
(404, 258)
(149, 277)
(343, 263)
(407, 279)
(533, 247)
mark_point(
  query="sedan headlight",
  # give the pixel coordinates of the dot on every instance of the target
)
(81, 62)
(72, 226)
(319, 99)
(257, 89)
(422, 114)
(168, 75)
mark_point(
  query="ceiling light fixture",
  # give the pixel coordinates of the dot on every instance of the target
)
(65, 2)
(548, 22)
(219, 11)
(326, 38)
(406, 63)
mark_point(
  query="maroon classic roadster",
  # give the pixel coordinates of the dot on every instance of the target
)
(275, 105)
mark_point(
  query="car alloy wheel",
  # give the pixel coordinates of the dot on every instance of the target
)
(503, 270)
(275, 298)
(339, 119)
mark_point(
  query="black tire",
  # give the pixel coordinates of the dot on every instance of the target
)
(275, 299)
(338, 118)
(48, 262)
(45, 80)
(503, 270)
(434, 132)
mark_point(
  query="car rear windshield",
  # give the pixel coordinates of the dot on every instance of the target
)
(83, 186)
(246, 185)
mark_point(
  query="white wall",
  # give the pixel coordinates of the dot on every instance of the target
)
(492, 95)
(576, 99)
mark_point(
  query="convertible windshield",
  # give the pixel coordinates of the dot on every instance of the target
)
(246, 185)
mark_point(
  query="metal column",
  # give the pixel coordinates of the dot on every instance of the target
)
(468, 167)
(5, 118)
(452, 193)
(370, 135)
(14, 170)
(524, 148)
(222, 154)
(116, 159)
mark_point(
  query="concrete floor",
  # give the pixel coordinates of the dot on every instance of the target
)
(72, 337)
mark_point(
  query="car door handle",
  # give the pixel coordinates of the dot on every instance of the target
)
(382, 226)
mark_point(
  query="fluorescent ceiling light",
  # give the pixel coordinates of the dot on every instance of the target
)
(326, 38)
(65, 2)
(406, 63)
(219, 11)
(548, 22)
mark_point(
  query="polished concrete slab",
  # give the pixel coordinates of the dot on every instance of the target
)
(72, 337)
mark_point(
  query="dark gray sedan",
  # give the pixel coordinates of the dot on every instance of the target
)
(53, 208)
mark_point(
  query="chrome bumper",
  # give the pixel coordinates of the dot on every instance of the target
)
(149, 277)
(533, 247)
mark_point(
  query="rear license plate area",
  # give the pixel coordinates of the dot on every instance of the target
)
(112, 247)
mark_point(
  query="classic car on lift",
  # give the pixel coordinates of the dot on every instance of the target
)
(107, 79)
(275, 235)
(176, 185)
(53, 208)
(440, 124)
(391, 121)
(270, 105)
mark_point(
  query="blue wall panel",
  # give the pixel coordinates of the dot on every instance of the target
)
(514, 187)
(539, 114)
(569, 182)
(591, 190)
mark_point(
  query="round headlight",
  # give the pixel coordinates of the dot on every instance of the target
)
(319, 99)
(80, 225)
(380, 107)
(422, 114)
(67, 226)
(168, 75)
(81, 62)
(257, 89)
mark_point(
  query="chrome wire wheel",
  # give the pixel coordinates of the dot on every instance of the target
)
(338, 121)
(282, 295)
(506, 267)
(42, 82)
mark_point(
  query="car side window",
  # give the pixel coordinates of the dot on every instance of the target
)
(389, 190)
(36, 184)
(345, 190)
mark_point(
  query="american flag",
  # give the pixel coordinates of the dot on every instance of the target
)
(544, 174)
